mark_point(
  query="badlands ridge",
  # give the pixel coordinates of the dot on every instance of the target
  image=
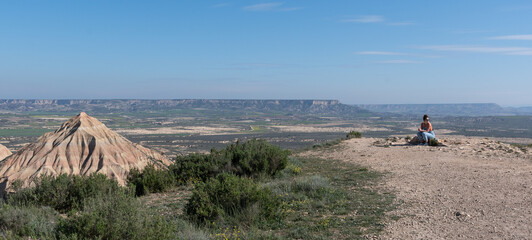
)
(82, 145)
(4, 152)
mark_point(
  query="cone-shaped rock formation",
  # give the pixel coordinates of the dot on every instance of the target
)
(4, 152)
(82, 145)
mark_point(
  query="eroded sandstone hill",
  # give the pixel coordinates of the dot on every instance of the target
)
(4, 152)
(82, 145)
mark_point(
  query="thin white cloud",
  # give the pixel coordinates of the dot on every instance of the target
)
(523, 53)
(514, 37)
(385, 53)
(401, 23)
(263, 6)
(398, 61)
(290, 9)
(365, 19)
(374, 19)
(481, 49)
(263, 65)
(379, 53)
(469, 31)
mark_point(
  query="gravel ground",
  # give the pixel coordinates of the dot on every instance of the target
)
(472, 188)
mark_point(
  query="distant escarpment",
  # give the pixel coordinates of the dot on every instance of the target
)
(81, 146)
(320, 107)
(462, 109)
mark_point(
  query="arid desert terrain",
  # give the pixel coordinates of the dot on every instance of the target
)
(352, 174)
(471, 188)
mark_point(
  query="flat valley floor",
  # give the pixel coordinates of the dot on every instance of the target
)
(472, 188)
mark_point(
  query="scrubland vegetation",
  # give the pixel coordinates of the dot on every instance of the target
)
(350, 135)
(523, 147)
(249, 190)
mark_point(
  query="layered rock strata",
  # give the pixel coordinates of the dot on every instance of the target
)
(82, 145)
(4, 152)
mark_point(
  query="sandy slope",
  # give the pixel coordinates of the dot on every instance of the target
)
(472, 189)
(4, 152)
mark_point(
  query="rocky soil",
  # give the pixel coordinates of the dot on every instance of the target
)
(471, 188)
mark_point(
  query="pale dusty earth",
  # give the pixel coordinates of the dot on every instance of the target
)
(472, 188)
(324, 128)
(204, 130)
(223, 130)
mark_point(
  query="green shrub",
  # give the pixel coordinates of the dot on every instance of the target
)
(353, 134)
(198, 167)
(27, 222)
(232, 198)
(293, 168)
(327, 144)
(64, 192)
(114, 216)
(434, 142)
(349, 135)
(255, 157)
(523, 147)
(150, 180)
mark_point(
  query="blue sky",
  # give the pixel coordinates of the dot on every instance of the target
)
(354, 51)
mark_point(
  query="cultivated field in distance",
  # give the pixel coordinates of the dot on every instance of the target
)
(199, 125)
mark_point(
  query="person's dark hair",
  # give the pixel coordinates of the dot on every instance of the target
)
(425, 117)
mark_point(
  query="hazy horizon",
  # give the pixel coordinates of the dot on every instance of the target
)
(268, 99)
(374, 52)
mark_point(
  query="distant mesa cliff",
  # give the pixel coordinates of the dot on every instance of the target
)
(465, 109)
(322, 107)
(81, 146)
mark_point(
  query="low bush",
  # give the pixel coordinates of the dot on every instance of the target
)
(353, 134)
(327, 144)
(27, 222)
(198, 167)
(434, 142)
(523, 147)
(114, 216)
(349, 135)
(293, 168)
(64, 192)
(253, 158)
(229, 198)
(150, 180)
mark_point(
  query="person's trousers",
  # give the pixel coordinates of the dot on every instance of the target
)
(425, 136)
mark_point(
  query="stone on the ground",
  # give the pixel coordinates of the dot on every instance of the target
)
(414, 141)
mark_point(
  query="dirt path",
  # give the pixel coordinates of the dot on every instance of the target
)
(471, 189)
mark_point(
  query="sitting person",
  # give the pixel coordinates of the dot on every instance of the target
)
(425, 132)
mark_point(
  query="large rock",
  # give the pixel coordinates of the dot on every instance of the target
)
(4, 152)
(415, 141)
(82, 145)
